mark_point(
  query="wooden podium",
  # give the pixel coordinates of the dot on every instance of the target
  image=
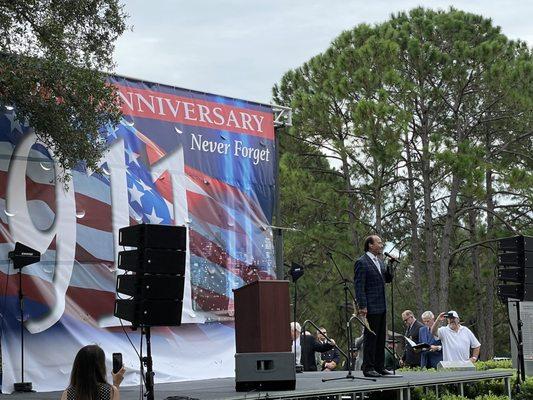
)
(262, 317)
(264, 359)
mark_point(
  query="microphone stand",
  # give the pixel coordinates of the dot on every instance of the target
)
(21, 386)
(392, 271)
(347, 320)
(296, 365)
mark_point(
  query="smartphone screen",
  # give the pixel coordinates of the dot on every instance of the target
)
(117, 362)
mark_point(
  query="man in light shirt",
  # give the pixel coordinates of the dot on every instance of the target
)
(295, 337)
(457, 340)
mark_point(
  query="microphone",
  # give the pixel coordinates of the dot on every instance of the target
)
(392, 258)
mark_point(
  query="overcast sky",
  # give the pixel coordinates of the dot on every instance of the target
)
(240, 48)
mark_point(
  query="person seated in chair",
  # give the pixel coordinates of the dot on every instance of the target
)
(327, 360)
(305, 346)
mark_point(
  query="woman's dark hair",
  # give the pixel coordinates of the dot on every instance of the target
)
(88, 371)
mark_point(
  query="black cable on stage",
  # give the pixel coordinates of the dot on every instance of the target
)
(139, 353)
(142, 369)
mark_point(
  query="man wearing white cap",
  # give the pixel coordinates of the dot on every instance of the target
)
(457, 340)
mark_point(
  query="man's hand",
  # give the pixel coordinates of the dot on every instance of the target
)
(473, 359)
(441, 316)
(330, 366)
(363, 312)
(331, 341)
(434, 348)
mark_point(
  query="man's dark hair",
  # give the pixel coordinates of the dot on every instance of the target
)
(368, 241)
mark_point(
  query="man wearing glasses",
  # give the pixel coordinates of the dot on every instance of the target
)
(411, 358)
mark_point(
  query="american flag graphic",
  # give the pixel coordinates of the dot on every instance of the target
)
(177, 157)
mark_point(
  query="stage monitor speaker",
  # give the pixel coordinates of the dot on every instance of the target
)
(149, 312)
(151, 287)
(456, 365)
(153, 261)
(154, 236)
(264, 371)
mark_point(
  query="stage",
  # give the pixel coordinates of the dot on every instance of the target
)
(308, 385)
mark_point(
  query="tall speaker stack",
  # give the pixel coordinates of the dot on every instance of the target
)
(154, 281)
(155, 274)
(515, 268)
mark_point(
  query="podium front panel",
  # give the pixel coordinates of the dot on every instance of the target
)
(262, 317)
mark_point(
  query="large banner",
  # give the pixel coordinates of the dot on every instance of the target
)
(177, 158)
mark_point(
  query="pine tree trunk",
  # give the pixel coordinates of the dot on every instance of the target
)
(428, 222)
(415, 241)
(446, 243)
(351, 202)
(377, 199)
(489, 280)
(479, 290)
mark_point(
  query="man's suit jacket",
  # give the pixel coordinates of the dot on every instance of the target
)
(413, 333)
(429, 359)
(370, 285)
(309, 346)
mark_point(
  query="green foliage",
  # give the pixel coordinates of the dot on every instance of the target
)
(417, 129)
(526, 390)
(51, 57)
(494, 386)
(494, 364)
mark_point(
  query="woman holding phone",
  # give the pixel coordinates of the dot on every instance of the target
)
(88, 377)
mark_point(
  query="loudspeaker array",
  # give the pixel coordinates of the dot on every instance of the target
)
(155, 272)
(515, 268)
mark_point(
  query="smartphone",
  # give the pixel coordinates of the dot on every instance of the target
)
(117, 362)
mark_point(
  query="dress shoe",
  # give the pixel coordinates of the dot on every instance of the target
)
(385, 372)
(371, 374)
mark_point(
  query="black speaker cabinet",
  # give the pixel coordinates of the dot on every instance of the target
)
(154, 236)
(149, 312)
(151, 287)
(264, 371)
(153, 261)
(520, 292)
(517, 244)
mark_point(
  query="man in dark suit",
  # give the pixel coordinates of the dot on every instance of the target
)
(411, 358)
(370, 278)
(309, 346)
(305, 346)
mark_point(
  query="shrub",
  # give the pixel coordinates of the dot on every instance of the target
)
(526, 390)
(492, 364)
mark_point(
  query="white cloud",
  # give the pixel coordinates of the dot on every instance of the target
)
(240, 48)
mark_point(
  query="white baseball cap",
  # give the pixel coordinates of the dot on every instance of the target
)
(454, 313)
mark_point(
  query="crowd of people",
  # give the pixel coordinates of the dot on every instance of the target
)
(426, 343)
(441, 339)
